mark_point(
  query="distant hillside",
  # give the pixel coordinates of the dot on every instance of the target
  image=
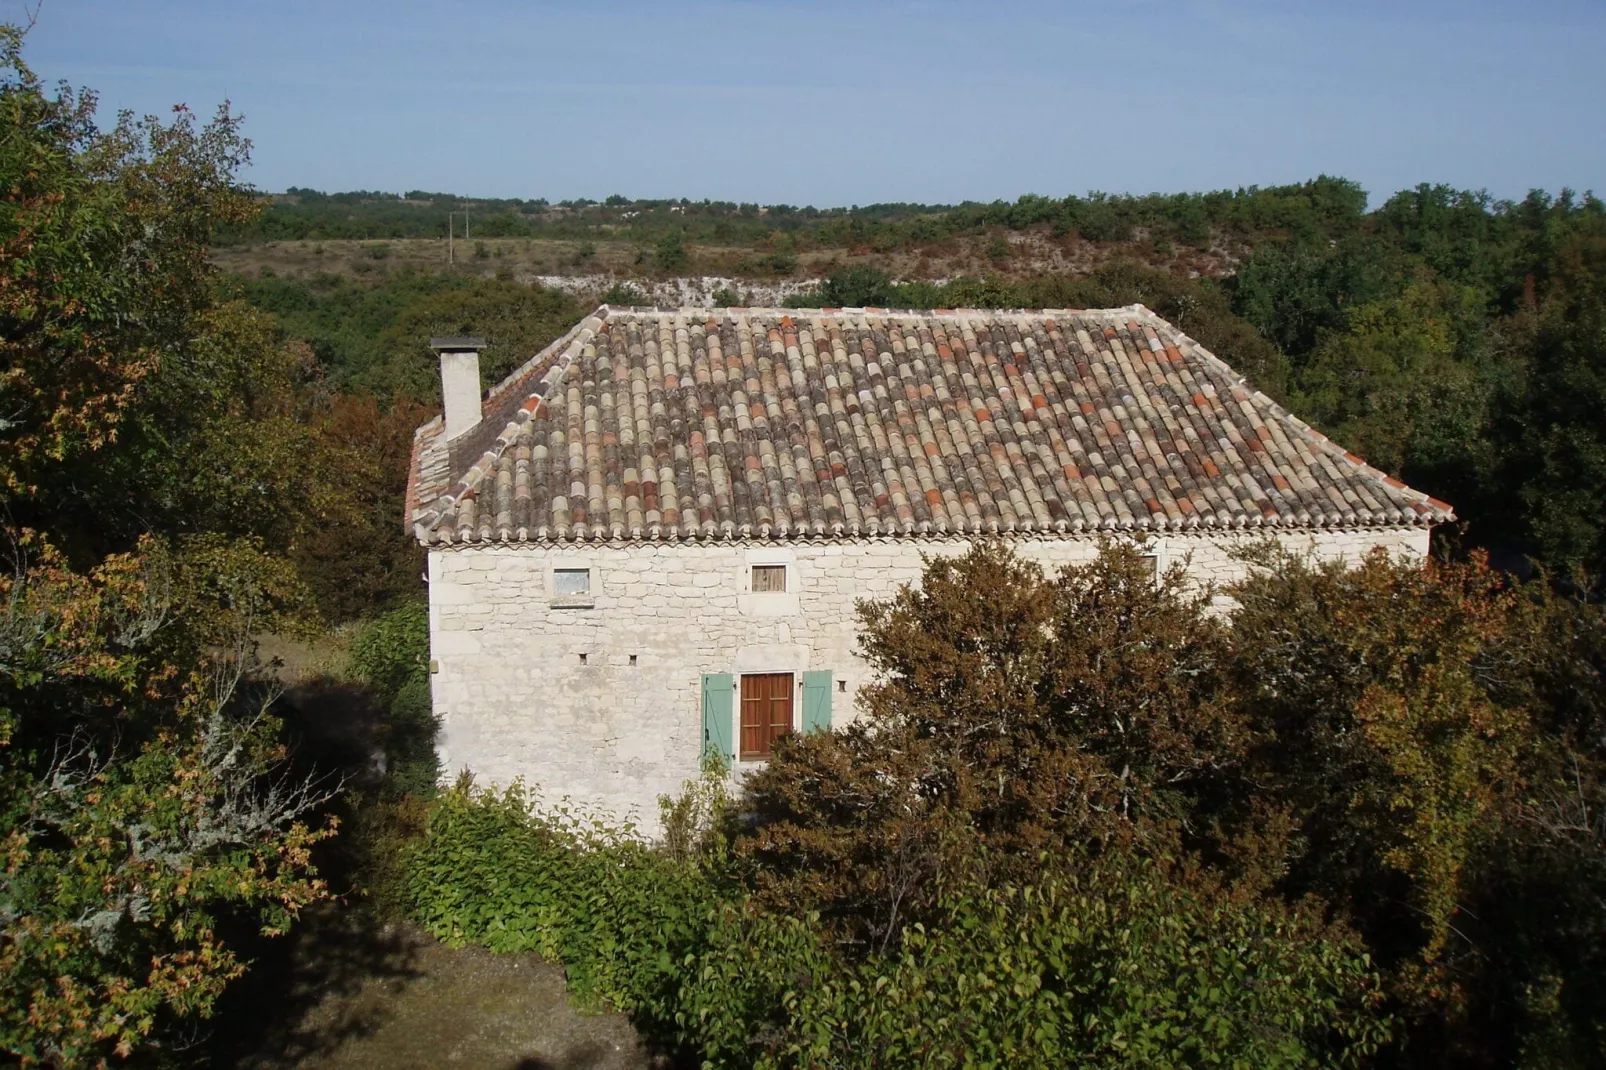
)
(370, 234)
(1322, 206)
(1013, 254)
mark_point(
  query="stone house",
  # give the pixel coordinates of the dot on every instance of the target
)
(649, 539)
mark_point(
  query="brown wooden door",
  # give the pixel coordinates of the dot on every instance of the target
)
(766, 711)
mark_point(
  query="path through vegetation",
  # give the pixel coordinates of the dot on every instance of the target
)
(341, 995)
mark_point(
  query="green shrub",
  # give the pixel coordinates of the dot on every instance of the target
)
(621, 917)
(1102, 965)
(623, 294)
(391, 654)
(671, 253)
(1105, 963)
(393, 649)
(413, 765)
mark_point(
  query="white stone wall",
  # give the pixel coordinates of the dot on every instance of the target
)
(612, 733)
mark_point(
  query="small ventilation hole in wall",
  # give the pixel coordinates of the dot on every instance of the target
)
(842, 685)
(582, 659)
(632, 659)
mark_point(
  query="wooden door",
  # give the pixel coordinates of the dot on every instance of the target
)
(766, 711)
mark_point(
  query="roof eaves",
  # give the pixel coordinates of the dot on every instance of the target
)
(1438, 512)
(410, 498)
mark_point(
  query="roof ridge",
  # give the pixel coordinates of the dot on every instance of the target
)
(908, 313)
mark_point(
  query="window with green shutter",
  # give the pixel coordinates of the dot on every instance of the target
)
(817, 701)
(717, 733)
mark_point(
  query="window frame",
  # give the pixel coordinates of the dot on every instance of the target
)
(586, 600)
(769, 569)
(766, 726)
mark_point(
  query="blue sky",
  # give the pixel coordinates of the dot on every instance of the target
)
(829, 102)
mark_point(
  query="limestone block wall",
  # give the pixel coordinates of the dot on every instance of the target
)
(598, 698)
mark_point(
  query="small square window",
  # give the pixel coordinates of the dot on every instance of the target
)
(769, 579)
(570, 582)
(1153, 563)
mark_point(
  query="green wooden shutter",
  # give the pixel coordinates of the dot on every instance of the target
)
(817, 701)
(717, 715)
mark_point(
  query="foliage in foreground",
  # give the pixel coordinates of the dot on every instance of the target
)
(619, 915)
(1387, 738)
(1102, 962)
(1091, 820)
(144, 790)
(145, 453)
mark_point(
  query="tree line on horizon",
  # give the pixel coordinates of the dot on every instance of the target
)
(1321, 208)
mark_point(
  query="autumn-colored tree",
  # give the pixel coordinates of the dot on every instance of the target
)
(143, 787)
(143, 783)
(1415, 751)
(1370, 690)
(358, 558)
(104, 239)
(1011, 713)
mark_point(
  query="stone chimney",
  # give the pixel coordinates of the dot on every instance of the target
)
(460, 382)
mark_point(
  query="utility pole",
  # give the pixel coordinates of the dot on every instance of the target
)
(451, 257)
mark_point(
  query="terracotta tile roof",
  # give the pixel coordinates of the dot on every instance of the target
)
(652, 424)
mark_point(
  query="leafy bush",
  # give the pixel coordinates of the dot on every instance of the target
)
(622, 918)
(671, 252)
(391, 654)
(858, 286)
(623, 294)
(393, 650)
(411, 760)
(1100, 965)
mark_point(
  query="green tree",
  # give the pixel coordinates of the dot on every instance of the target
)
(517, 321)
(671, 252)
(1553, 465)
(144, 789)
(1405, 383)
